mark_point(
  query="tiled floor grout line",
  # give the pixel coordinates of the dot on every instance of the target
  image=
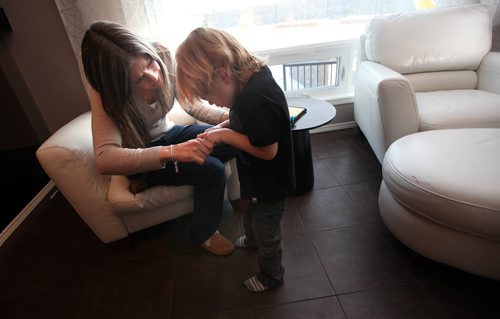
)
(431, 300)
(321, 261)
(172, 289)
(408, 279)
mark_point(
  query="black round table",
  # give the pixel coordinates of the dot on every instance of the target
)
(318, 113)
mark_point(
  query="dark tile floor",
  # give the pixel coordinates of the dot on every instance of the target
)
(341, 261)
(22, 179)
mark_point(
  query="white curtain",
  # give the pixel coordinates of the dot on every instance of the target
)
(77, 15)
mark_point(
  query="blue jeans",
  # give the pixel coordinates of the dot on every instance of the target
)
(208, 179)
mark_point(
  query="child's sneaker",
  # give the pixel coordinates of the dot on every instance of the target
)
(254, 285)
(242, 242)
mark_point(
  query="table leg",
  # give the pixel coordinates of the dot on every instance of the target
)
(304, 172)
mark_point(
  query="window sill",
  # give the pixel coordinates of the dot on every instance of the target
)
(338, 98)
(334, 98)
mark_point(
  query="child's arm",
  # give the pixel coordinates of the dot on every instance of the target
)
(241, 141)
(219, 126)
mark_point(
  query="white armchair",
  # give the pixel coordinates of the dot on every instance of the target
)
(424, 71)
(104, 202)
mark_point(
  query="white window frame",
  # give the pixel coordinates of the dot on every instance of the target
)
(346, 50)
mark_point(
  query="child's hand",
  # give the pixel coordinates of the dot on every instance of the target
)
(214, 135)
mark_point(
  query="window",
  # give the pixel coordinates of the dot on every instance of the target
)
(308, 75)
(320, 70)
(311, 46)
(286, 32)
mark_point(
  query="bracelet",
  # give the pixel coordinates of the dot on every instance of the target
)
(176, 166)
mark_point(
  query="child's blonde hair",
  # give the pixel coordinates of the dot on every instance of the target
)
(205, 50)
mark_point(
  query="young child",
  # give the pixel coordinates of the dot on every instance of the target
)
(212, 65)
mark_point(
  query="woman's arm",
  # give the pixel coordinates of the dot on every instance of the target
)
(113, 159)
(207, 113)
(241, 141)
(194, 150)
(110, 156)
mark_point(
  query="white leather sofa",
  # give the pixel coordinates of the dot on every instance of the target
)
(426, 70)
(104, 202)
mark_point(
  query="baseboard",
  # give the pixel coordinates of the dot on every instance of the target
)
(334, 127)
(12, 226)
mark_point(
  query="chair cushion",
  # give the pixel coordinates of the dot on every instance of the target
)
(450, 177)
(179, 116)
(458, 109)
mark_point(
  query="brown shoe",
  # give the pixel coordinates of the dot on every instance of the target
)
(218, 245)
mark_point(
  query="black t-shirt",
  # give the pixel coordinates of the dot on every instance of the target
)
(260, 111)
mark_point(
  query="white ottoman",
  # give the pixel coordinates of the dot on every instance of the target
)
(440, 196)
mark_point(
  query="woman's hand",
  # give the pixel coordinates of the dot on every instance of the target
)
(195, 150)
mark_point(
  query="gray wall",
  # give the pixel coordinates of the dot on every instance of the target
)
(39, 64)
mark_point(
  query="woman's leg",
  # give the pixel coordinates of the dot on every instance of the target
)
(208, 179)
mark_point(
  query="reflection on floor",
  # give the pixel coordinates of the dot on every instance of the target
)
(340, 260)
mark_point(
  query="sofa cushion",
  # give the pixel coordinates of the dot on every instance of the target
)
(458, 109)
(433, 40)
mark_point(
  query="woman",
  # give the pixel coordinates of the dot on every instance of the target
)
(133, 89)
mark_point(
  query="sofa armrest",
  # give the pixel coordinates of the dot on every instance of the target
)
(489, 73)
(67, 158)
(385, 106)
